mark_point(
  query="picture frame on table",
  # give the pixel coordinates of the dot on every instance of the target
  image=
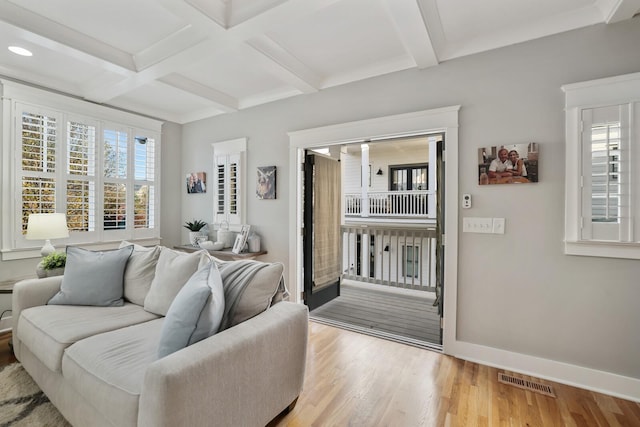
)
(241, 239)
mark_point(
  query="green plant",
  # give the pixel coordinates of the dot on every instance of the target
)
(54, 260)
(195, 225)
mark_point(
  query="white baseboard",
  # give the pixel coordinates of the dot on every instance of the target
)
(6, 323)
(591, 379)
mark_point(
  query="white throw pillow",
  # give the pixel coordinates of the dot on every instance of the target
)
(173, 270)
(140, 271)
(195, 313)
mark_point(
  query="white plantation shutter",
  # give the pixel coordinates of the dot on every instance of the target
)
(228, 184)
(144, 203)
(81, 176)
(606, 174)
(38, 146)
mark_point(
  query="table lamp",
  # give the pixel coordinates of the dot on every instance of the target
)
(46, 226)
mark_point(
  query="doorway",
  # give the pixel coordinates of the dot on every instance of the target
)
(388, 283)
(443, 120)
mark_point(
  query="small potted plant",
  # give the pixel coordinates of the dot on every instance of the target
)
(195, 230)
(52, 265)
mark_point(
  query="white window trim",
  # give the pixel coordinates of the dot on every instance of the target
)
(13, 93)
(619, 90)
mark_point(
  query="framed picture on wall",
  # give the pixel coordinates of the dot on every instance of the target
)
(266, 182)
(196, 182)
(508, 164)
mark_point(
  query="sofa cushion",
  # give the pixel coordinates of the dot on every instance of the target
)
(195, 313)
(48, 330)
(249, 288)
(93, 278)
(108, 369)
(173, 270)
(140, 271)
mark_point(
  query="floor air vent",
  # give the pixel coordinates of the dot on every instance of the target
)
(526, 384)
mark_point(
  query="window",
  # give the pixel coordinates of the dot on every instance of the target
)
(410, 261)
(101, 174)
(603, 147)
(408, 177)
(229, 188)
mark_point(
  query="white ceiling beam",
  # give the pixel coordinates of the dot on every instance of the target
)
(239, 11)
(618, 10)
(47, 29)
(407, 19)
(433, 24)
(217, 10)
(285, 66)
(174, 43)
(222, 101)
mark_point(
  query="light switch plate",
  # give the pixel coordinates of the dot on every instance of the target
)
(477, 225)
(498, 225)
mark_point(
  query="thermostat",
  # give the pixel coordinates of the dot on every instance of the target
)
(466, 201)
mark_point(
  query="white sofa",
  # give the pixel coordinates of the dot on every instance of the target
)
(99, 365)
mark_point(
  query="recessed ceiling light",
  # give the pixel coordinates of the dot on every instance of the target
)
(20, 51)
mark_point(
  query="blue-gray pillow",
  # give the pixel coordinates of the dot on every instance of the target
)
(195, 313)
(93, 278)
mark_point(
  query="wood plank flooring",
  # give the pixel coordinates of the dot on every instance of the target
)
(358, 380)
(374, 308)
(362, 381)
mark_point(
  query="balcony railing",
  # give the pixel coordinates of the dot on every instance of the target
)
(405, 204)
(400, 257)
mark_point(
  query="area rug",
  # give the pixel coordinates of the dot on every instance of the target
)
(22, 403)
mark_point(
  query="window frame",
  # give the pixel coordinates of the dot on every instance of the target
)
(580, 97)
(18, 98)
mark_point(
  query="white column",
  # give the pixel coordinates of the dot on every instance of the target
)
(433, 184)
(364, 188)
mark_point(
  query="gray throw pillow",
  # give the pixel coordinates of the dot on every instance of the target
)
(93, 278)
(249, 288)
(195, 313)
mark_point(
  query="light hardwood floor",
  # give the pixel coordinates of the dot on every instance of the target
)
(359, 380)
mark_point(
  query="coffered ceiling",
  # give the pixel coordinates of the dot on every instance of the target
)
(185, 60)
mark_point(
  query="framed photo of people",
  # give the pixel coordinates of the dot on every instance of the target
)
(508, 164)
(196, 182)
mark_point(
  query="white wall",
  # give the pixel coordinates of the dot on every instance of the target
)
(518, 291)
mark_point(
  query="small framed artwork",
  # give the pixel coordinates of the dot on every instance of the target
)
(508, 164)
(266, 183)
(196, 182)
(241, 239)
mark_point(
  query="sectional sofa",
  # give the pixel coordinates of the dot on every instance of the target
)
(149, 355)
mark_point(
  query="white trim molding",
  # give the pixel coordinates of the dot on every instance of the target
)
(552, 370)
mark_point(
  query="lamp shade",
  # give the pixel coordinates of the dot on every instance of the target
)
(45, 226)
